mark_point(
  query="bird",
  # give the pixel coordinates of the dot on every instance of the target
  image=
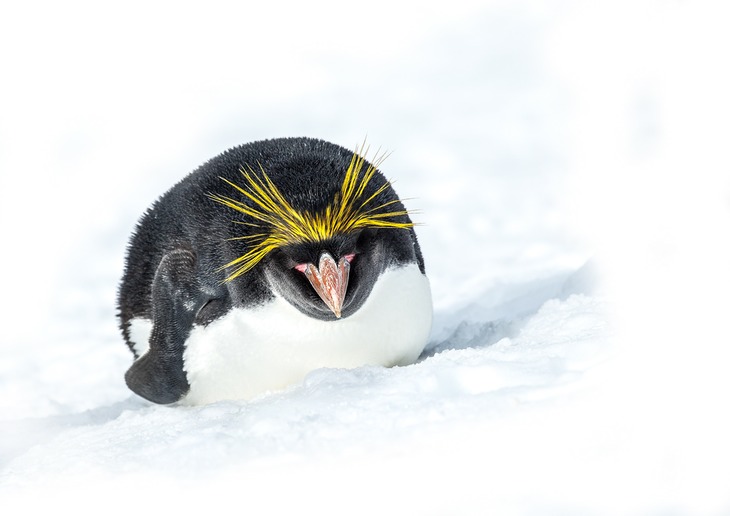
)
(271, 260)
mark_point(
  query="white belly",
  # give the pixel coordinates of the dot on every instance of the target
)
(249, 352)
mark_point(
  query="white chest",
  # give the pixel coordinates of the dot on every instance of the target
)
(249, 352)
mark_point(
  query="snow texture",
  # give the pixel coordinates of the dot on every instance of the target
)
(568, 170)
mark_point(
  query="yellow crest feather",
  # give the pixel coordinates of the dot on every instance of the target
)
(281, 224)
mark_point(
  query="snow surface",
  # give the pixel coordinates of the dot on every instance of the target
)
(568, 166)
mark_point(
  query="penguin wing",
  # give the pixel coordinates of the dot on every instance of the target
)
(158, 375)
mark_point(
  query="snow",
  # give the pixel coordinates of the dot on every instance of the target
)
(567, 165)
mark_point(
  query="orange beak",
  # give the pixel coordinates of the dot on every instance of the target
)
(329, 280)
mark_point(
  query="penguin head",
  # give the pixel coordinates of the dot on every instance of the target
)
(322, 236)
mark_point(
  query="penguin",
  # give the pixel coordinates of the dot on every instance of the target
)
(269, 261)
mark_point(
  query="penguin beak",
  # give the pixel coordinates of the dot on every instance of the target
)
(329, 280)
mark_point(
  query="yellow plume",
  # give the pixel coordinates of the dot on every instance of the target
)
(281, 224)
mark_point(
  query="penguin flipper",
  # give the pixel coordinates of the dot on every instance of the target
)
(158, 375)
